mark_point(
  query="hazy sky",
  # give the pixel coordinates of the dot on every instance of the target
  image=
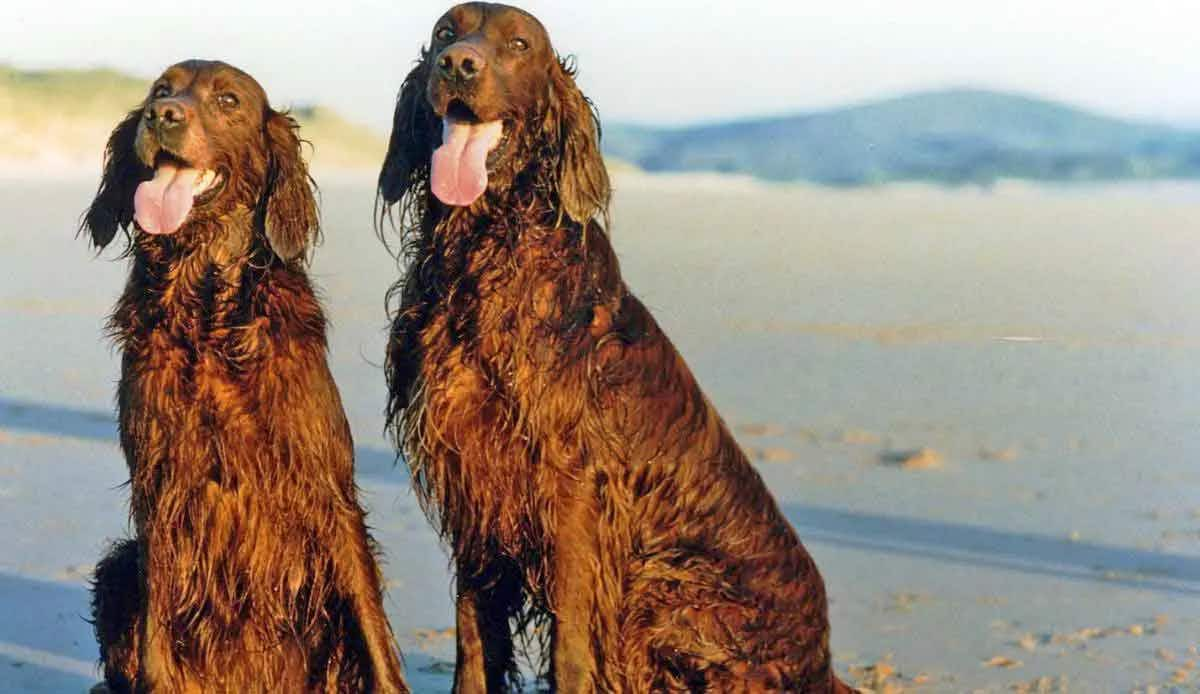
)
(662, 61)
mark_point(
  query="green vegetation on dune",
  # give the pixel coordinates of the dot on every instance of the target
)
(63, 117)
(67, 93)
(337, 142)
(954, 136)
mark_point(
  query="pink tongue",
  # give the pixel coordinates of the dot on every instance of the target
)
(459, 173)
(161, 205)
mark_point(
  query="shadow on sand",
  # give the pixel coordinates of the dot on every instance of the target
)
(46, 643)
(936, 540)
(999, 549)
(97, 425)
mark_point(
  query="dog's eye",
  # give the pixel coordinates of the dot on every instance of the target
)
(162, 91)
(519, 45)
(227, 100)
(444, 34)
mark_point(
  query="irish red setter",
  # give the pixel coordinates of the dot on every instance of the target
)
(251, 569)
(557, 439)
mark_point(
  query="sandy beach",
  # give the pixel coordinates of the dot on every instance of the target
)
(977, 407)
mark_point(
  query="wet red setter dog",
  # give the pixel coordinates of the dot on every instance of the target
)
(251, 569)
(557, 439)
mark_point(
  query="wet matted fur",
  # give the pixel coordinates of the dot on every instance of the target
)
(556, 437)
(251, 568)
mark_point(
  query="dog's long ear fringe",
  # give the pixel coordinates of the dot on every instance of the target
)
(413, 129)
(291, 220)
(112, 208)
(583, 186)
(402, 189)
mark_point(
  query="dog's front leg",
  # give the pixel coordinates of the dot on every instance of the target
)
(486, 603)
(359, 578)
(577, 600)
(158, 657)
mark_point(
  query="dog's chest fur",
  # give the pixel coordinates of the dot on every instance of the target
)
(222, 415)
(505, 314)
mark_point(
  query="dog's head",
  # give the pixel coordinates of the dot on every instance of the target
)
(489, 102)
(204, 143)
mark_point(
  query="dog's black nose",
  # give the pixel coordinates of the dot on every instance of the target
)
(461, 62)
(167, 113)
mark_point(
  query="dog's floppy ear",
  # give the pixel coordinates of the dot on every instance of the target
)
(582, 180)
(414, 134)
(123, 171)
(288, 208)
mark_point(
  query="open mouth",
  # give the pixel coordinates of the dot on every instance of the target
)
(162, 204)
(470, 147)
(458, 110)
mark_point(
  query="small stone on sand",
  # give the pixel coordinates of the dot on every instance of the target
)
(439, 667)
(774, 455)
(758, 429)
(1004, 455)
(920, 459)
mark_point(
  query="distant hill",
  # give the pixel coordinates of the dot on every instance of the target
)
(61, 119)
(952, 137)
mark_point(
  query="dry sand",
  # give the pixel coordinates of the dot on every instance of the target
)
(1042, 342)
